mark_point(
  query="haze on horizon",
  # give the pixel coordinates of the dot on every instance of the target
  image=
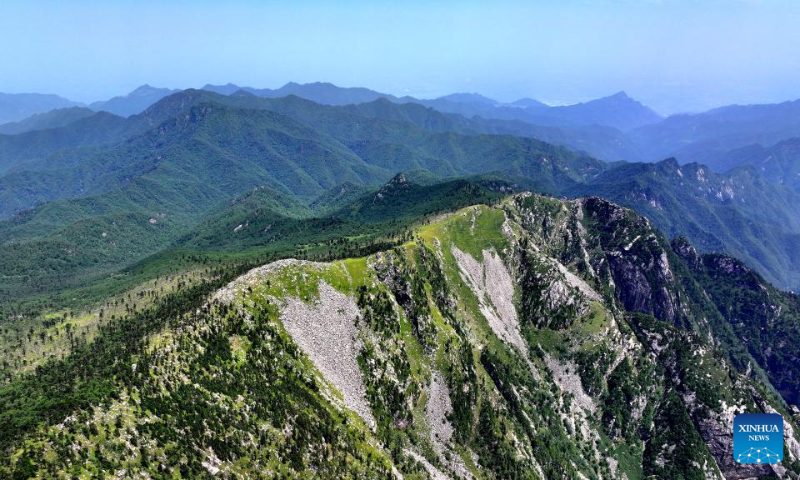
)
(673, 55)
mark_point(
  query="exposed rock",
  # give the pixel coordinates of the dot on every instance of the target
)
(256, 276)
(434, 472)
(577, 282)
(494, 287)
(436, 412)
(326, 332)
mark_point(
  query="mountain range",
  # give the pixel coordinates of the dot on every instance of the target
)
(618, 111)
(33, 111)
(225, 145)
(611, 128)
(59, 117)
(325, 282)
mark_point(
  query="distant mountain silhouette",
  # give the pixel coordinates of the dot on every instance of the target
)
(528, 103)
(703, 136)
(779, 164)
(43, 121)
(468, 98)
(18, 106)
(618, 111)
(320, 92)
(134, 102)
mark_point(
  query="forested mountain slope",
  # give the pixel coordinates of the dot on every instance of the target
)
(117, 204)
(189, 153)
(740, 213)
(389, 142)
(535, 338)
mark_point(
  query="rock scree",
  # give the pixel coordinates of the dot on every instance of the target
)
(326, 332)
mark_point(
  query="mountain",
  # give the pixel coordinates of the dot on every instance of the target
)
(64, 146)
(468, 98)
(163, 181)
(726, 161)
(779, 164)
(44, 121)
(325, 93)
(534, 338)
(135, 102)
(176, 173)
(740, 213)
(384, 144)
(502, 340)
(247, 219)
(226, 89)
(19, 106)
(764, 318)
(693, 138)
(528, 103)
(319, 92)
(38, 145)
(337, 197)
(618, 111)
(377, 139)
(60, 147)
(265, 217)
(407, 196)
(600, 142)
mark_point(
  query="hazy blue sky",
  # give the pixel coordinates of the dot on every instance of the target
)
(671, 54)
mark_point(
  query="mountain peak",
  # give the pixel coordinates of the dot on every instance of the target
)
(227, 89)
(242, 93)
(135, 102)
(145, 89)
(617, 110)
(468, 98)
(528, 103)
(619, 97)
(400, 178)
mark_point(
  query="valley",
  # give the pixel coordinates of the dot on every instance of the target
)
(268, 240)
(217, 285)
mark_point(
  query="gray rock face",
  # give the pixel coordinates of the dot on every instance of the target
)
(686, 251)
(633, 289)
(326, 332)
(492, 284)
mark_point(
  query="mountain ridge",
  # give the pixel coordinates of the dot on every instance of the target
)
(378, 139)
(18, 106)
(134, 102)
(410, 360)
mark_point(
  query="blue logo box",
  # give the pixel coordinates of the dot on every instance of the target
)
(758, 438)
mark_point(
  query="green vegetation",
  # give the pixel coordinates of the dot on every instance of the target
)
(496, 335)
(739, 213)
(177, 384)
